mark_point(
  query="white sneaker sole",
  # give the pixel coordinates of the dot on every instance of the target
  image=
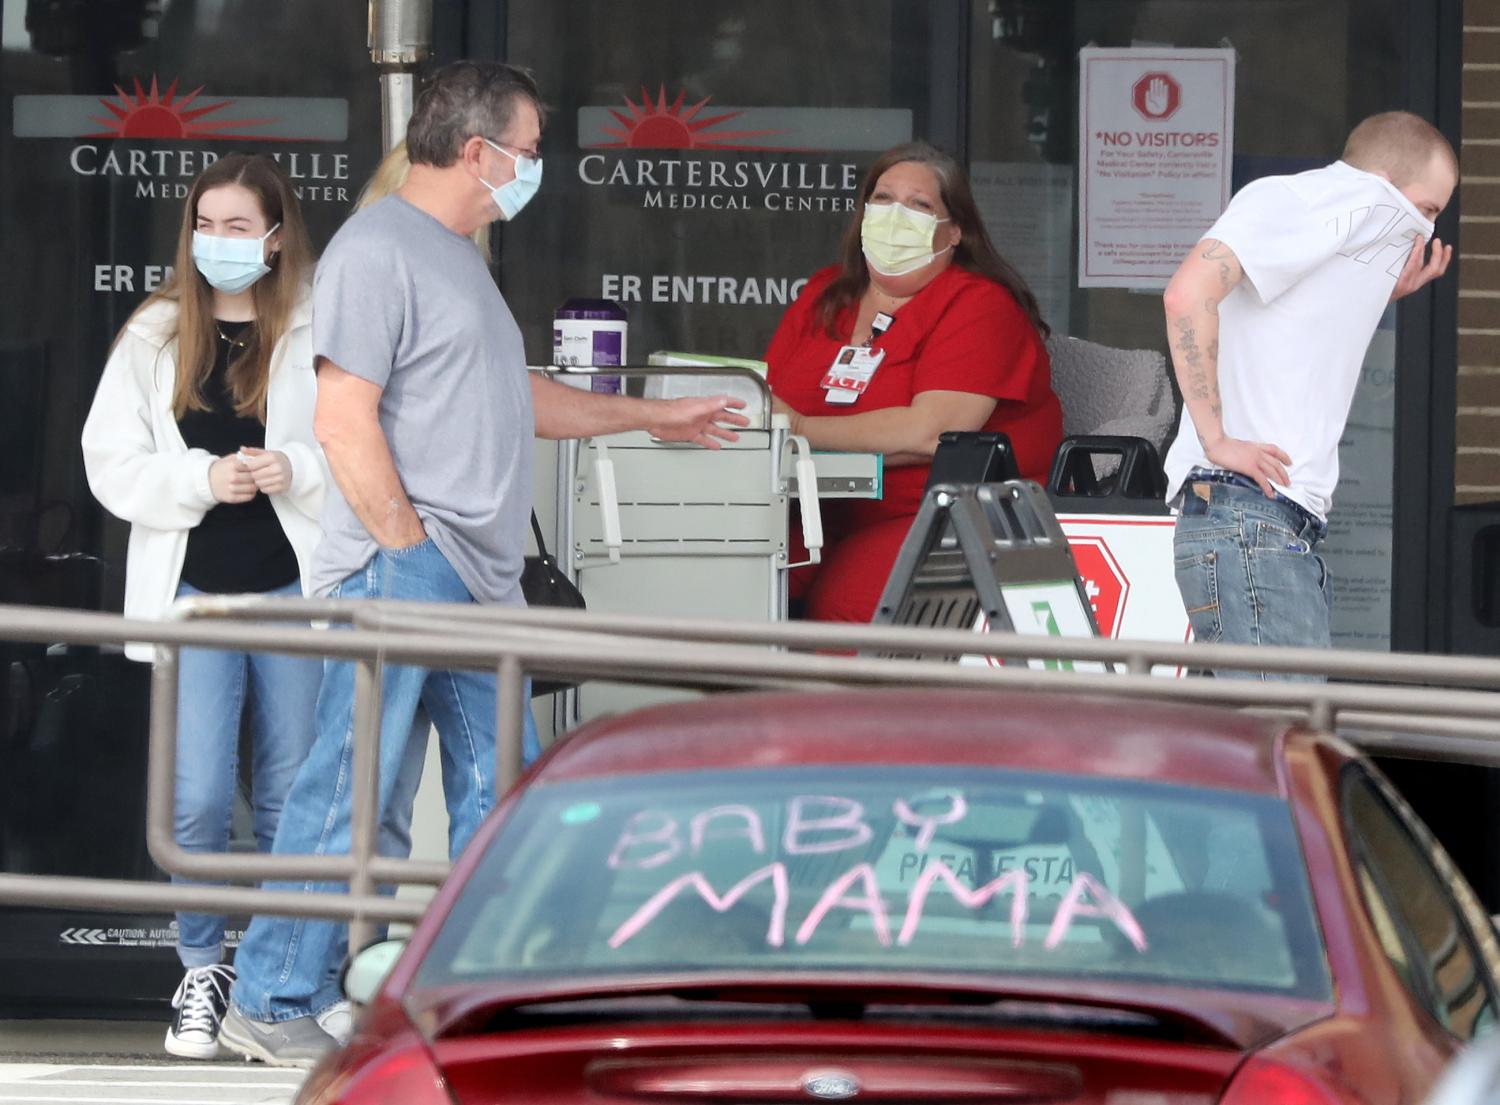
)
(252, 1050)
(187, 1049)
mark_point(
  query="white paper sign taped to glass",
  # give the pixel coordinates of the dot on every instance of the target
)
(1156, 137)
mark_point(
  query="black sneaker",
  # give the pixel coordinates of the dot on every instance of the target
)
(200, 1002)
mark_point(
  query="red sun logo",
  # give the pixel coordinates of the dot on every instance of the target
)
(157, 114)
(658, 126)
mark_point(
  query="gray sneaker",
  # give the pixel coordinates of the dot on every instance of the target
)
(295, 1043)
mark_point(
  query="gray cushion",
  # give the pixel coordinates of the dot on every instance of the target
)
(1111, 391)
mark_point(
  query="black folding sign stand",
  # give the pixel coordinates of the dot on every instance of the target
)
(991, 550)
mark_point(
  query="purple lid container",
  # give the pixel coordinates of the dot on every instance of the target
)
(596, 310)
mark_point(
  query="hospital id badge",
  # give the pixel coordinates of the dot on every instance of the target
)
(851, 372)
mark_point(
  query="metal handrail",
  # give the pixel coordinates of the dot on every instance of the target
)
(1456, 698)
(1139, 657)
(728, 372)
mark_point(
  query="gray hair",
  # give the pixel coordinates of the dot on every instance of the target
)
(463, 99)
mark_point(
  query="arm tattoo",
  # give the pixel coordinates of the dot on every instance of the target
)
(1192, 361)
(1213, 356)
(1221, 253)
(1199, 386)
(1198, 363)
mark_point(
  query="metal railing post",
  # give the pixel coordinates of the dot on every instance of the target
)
(510, 701)
(364, 825)
(161, 761)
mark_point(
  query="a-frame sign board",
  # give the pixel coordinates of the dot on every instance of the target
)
(989, 554)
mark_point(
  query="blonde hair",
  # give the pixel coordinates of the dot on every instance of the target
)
(390, 175)
(1399, 144)
(274, 295)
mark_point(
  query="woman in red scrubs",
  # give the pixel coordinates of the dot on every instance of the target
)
(946, 336)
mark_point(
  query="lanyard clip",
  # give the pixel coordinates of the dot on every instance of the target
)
(878, 326)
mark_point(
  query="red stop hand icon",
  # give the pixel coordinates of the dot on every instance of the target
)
(1156, 96)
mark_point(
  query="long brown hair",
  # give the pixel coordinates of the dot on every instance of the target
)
(275, 294)
(974, 252)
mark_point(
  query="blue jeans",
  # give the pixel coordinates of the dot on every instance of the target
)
(1249, 573)
(212, 692)
(285, 964)
(211, 698)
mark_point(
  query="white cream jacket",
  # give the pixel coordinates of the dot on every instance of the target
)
(142, 472)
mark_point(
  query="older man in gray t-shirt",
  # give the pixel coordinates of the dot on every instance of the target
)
(455, 401)
(426, 414)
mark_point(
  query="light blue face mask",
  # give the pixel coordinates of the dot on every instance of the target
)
(513, 195)
(231, 264)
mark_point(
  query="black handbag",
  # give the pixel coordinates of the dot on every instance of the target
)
(543, 584)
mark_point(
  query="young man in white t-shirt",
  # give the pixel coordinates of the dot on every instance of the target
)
(1268, 319)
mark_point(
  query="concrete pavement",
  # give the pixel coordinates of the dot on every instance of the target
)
(217, 1083)
(78, 1062)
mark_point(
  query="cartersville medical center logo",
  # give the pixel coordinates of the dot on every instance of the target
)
(719, 161)
(790, 169)
(139, 134)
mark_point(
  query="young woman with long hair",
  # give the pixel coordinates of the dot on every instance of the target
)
(201, 437)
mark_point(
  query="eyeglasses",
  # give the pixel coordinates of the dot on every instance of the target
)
(534, 154)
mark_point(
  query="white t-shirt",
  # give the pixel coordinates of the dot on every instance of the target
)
(1321, 252)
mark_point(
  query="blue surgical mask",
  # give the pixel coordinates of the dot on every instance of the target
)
(231, 264)
(513, 195)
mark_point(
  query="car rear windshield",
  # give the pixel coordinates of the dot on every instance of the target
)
(892, 870)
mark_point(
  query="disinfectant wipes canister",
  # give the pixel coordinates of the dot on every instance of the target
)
(590, 332)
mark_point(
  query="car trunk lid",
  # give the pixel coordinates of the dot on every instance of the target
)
(742, 1061)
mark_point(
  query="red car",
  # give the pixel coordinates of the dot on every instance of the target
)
(920, 896)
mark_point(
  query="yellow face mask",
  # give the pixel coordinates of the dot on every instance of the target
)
(897, 240)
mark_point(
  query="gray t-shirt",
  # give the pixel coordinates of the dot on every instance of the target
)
(404, 302)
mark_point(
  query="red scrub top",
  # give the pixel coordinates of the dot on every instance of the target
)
(962, 332)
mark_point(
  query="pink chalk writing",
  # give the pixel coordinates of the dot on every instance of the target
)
(826, 824)
(775, 931)
(1014, 881)
(849, 821)
(868, 900)
(749, 828)
(634, 834)
(836, 897)
(927, 826)
(1108, 906)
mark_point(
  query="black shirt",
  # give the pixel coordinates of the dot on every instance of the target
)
(238, 546)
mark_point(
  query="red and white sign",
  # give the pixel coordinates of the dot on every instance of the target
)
(1156, 136)
(1125, 563)
(1104, 582)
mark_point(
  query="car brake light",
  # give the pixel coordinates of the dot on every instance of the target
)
(1262, 1081)
(406, 1075)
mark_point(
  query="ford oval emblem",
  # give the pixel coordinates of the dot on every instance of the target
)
(830, 1085)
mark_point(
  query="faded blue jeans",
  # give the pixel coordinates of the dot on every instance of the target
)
(285, 965)
(1249, 572)
(214, 690)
